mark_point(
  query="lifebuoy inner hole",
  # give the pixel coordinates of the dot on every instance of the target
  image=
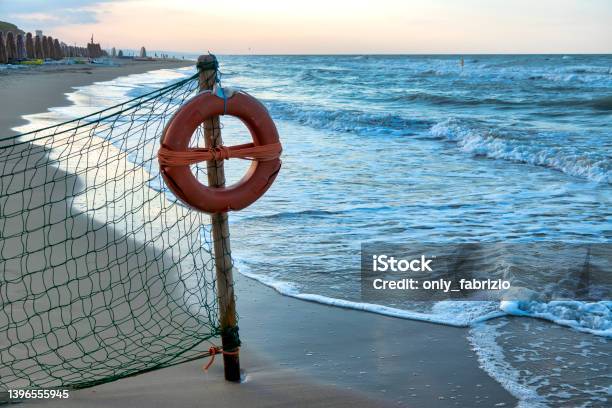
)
(233, 132)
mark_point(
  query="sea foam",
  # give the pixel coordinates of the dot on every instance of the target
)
(481, 142)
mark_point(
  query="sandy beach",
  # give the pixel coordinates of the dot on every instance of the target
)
(36, 88)
(294, 352)
(299, 353)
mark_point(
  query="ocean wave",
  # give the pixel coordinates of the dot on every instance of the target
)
(284, 215)
(577, 75)
(295, 214)
(589, 317)
(480, 142)
(603, 103)
(346, 120)
(439, 99)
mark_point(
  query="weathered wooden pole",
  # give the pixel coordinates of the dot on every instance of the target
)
(207, 66)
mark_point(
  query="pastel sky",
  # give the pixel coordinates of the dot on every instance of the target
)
(325, 26)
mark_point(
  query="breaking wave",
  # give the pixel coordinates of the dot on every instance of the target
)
(481, 142)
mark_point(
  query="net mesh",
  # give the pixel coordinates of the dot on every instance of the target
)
(103, 273)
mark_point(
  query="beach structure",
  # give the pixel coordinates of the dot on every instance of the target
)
(3, 55)
(21, 48)
(50, 47)
(94, 50)
(57, 50)
(29, 45)
(38, 47)
(143, 52)
(51, 54)
(46, 50)
(11, 47)
(134, 278)
(24, 46)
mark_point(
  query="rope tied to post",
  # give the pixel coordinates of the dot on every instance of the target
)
(218, 350)
(247, 151)
(231, 341)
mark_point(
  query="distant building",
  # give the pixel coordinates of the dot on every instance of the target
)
(143, 52)
(94, 50)
(39, 33)
(113, 52)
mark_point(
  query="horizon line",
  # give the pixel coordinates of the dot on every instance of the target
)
(381, 54)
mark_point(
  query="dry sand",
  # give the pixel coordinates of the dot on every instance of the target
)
(36, 88)
(295, 353)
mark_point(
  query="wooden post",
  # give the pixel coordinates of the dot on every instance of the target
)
(220, 231)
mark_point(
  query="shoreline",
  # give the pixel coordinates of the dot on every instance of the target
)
(293, 350)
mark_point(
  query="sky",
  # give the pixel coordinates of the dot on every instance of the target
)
(324, 26)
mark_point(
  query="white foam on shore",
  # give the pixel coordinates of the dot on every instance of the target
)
(457, 314)
(491, 359)
(594, 317)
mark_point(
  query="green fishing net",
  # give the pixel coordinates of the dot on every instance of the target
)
(103, 273)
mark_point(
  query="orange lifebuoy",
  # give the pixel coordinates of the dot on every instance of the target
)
(175, 155)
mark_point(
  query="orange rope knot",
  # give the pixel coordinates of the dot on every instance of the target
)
(218, 350)
(247, 151)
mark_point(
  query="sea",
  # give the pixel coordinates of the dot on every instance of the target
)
(504, 149)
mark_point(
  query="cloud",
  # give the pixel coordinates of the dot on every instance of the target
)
(44, 6)
(78, 16)
(48, 14)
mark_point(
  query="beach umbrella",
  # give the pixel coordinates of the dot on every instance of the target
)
(21, 48)
(51, 49)
(29, 45)
(50, 46)
(58, 49)
(43, 44)
(11, 48)
(38, 48)
(45, 47)
(3, 57)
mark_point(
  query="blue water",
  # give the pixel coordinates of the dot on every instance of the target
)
(417, 149)
(414, 148)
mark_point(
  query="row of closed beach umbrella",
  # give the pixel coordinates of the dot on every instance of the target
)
(17, 47)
